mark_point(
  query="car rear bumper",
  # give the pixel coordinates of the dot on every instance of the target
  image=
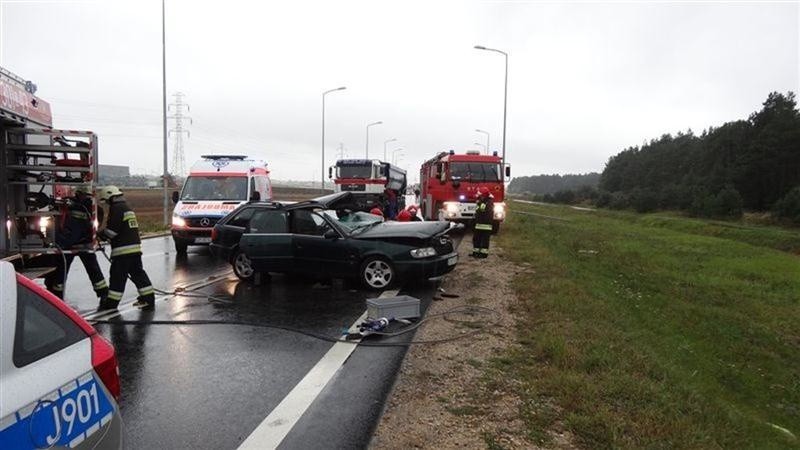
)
(428, 267)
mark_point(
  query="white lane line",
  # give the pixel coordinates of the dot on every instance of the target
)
(277, 425)
(105, 315)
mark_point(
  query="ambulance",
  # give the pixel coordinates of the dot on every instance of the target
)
(216, 185)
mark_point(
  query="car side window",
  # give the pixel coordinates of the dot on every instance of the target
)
(268, 221)
(308, 223)
(242, 219)
(41, 329)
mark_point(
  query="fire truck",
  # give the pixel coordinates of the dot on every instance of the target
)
(369, 180)
(40, 167)
(450, 182)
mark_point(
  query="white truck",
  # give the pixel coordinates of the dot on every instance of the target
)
(216, 185)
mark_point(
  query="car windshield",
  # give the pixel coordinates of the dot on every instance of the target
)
(354, 171)
(353, 220)
(215, 188)
(475, 171)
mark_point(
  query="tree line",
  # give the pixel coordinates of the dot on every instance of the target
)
(751, 164)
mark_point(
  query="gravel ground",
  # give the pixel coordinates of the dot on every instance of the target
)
(443, 398)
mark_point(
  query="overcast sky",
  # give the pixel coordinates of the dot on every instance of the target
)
(586, 80)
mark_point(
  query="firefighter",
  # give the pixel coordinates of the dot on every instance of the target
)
(76, 229)
(126, 252)
(484, 214)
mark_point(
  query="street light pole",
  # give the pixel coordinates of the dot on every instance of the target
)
(369, 125)
(164, 106)
(487, 139)
(384, 147)
(322, 164)
(394, 154)
(505, 96)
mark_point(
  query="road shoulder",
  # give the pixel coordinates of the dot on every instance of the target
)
(448, 394)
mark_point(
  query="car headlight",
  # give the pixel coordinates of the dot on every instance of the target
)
(178, 221)
(423, 252)
(451, 207)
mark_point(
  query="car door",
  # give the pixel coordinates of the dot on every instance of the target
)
(314, 253)
(267, 241)
(232, 231)
(52, 393)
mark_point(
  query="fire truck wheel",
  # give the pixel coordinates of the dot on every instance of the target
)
(377, 273)
(242, 266)
(495, 227)
(180, 245)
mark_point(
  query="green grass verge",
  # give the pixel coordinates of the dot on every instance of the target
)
(655, 330)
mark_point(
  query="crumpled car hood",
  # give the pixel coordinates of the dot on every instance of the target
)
(419, 230)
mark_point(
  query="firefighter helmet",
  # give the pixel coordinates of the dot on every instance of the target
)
(108, 192)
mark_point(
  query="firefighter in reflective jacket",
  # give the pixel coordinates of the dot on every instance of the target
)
(484, 214)
(76, 229)
(126, 252)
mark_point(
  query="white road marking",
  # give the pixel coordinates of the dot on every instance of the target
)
(277, 425)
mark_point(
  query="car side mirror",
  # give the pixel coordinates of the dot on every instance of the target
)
(255, 196)
(175, 196)
(331, 234)
(508, 171)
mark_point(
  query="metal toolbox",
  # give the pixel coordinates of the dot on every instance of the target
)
(399, 307)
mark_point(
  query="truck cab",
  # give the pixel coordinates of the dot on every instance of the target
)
(450, 183)
(216, 185)
(369, 180)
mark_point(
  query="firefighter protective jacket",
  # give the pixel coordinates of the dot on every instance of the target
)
(484, 210)
(76, 226)
(122, 229)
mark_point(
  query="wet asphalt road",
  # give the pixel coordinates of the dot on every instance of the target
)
(210, 386)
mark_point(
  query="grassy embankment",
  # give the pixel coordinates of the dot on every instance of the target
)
(655, 330)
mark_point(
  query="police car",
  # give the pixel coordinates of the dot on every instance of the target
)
(59, 379)
(216, 185)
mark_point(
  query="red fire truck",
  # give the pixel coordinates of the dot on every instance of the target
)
(40, 167)
(450, 182)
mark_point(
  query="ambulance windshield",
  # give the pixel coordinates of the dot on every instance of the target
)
(215, 188)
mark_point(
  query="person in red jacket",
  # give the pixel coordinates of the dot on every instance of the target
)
(404, 216)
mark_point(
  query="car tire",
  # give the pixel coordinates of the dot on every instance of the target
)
(242, 266)
(377, 273)
(180, 245)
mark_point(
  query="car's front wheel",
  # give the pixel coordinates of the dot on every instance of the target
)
(377, 273)
(242, 266)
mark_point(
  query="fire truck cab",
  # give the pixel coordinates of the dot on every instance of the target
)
(369, 180)
(450, 183)
(216, 185)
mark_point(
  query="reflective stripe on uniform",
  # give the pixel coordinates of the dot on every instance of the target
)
(100, 284)
(147, 290)
(114, 296)
(126, 250)
(483, 226)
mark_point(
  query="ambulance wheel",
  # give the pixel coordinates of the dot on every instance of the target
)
(242, 266)
(180, 245)
(377, 273)
(495, 227)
